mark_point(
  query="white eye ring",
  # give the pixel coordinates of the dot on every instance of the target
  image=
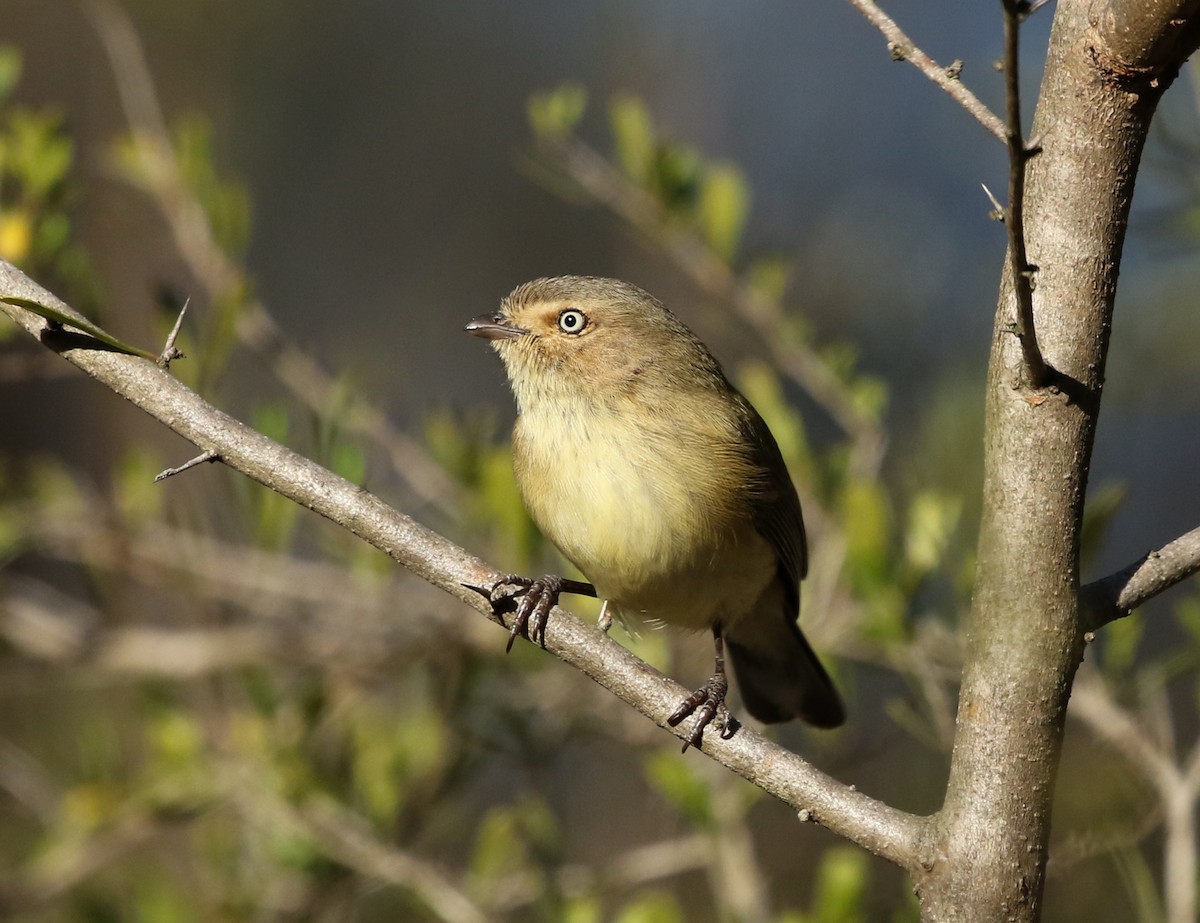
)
(572, 321)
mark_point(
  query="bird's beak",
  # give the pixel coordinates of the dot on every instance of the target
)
(493, 327)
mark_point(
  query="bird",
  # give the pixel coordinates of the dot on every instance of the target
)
(652, 474)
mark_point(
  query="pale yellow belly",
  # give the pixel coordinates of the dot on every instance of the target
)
(657, 530)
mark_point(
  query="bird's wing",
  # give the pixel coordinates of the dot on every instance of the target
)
(777, 516)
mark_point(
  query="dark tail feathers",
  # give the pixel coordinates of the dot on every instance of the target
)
(780, 677)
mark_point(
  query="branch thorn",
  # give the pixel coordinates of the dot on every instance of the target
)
(997, 213)
(170, 352)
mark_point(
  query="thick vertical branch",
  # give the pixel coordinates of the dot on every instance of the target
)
(986, 855)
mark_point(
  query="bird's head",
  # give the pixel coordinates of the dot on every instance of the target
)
(592, 338)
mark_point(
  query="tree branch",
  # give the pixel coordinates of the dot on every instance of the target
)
(884, 830)
(1155, 762)
(1115, 596)
(1023, 637)
(903, 49)
(1014, 217)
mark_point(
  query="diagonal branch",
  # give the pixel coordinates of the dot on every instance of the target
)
(888, 832)
(903, 49)
(1115, 596)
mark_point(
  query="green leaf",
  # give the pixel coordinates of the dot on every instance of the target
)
(723, 206)
(885, 608)
(1121, 641)
(866, 515)
(759, 382)
(674, 777)
(38, 154)
(655, 907)
(350, 462)
(768, 276)
(276, 516)
(52, 234)
(677, 171)
(10, 69)
(499, 850)
(869, 395)
(78, 323)
(932, 519)
(502, 505)
(226, 204)
(584, 909)
(842, 883)
(1187, 614)
(1103, 504)
(555, 113)
(392, 754)
(155, 900)
(633, 132)
(138, 497)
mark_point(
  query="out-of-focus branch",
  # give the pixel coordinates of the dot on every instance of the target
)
(342, 837)
(734, 870)
(1178, 789)
(346, 839)
(1116, 595)
(1092, 704)
(45, 625)
(55, 874)
(893, 834)
(192, 232)
(902, 48)
(713, 275)
(21, 367)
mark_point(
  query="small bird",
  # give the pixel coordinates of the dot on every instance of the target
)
(656, 478)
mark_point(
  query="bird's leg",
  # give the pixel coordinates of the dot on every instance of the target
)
(708, 702)
(537, 595)
(605, 622)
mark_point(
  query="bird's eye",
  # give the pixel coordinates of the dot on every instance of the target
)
(572, 321)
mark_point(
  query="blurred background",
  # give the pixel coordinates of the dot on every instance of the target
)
(216, 707)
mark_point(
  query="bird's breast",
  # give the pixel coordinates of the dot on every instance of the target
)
(651, 509)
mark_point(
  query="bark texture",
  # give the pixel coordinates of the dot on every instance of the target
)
(1107, 67)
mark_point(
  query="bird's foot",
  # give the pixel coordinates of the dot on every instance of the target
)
(708, 704)
(535, 597)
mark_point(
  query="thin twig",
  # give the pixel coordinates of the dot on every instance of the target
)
(903, 48)
(205, 456)
(1019, 156)
(1116, 595)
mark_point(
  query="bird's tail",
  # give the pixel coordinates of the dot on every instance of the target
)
(779, 676)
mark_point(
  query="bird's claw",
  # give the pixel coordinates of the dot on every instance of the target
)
(708, 705)
(536, 595)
